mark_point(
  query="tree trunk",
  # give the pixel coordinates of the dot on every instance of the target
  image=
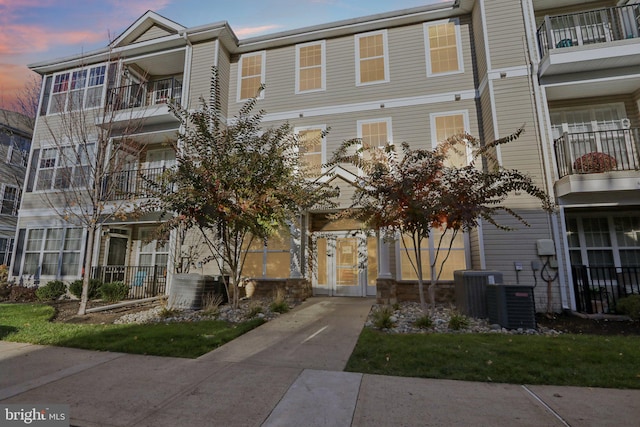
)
(88, 259)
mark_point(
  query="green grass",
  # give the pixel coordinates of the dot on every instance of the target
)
(576, 360)
(31, 323)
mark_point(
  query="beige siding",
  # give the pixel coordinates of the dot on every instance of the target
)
(407, 72)
(503, 248)
(506, 33)
(152, 33)
(224, 75)
(478, 42)
(200, 80)
(514, 108)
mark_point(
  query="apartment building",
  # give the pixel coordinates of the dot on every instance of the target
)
(15, 139)
(566, 69)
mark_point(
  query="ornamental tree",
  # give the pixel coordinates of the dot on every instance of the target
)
(233, 182)
(417, 191)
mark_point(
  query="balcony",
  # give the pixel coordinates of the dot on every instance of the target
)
(148, 101)
(588, 41)
(602, 161)
(597, 289)
(131, 184)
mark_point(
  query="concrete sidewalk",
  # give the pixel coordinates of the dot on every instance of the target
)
(287, 372)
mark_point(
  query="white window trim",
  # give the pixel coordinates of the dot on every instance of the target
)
(263, 54)
(41, 251)
(434, 133)
(385, 46)
(57, 166)
(430, 249)
(323, 67)
(86, 87)
(322, 128)
(426, 26)
(16, 206)
(387, 120)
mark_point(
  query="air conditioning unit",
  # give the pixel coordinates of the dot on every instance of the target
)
(511, 306)
(471, 290)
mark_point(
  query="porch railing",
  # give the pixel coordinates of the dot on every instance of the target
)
(126, 184)
(143, 281)
(145, 94)
(597, 289)
(601, 151)
(590, 27)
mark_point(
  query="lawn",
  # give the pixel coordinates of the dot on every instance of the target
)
(566, 359)
(31, 323)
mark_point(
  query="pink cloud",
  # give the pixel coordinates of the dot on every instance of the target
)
(14, 78)
(19, 39)
(251, 31)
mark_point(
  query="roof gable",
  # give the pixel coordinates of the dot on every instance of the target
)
(148, 26)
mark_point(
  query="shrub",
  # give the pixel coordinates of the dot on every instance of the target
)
(75, 288)
(5, 289)
(279, 306)
(382, 318)
(254, 309)
(458, 321)
(51, 291)
(114, 291)
(424, 322)
(211, 303)
(630, 306)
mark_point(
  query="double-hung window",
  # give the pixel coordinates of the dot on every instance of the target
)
(310, 67)
(67, 167)
(312, 149)
(10, 200)
(445, 125)
(372, 60)
(374, 133)
(18, 153)
(251, 75)
(75, 90)
(6, 245)
(443, 47)
(430, 253)
(270, 259)
(52, 251)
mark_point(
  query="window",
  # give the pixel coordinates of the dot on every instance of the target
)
(446, 125)
(77, 89)
(271, 259)
(455, 261)
(53, 252)
(372, 61)
(18, 153)
(310, 63)
(153, 252)
(312, 143)
(444, 54)
(251, 75)
(6, 245)
(374, 133)
(65, 167)
(604, 240)
(10, 200)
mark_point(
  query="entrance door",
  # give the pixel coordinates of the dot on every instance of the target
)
(346, 265)
(116, 259)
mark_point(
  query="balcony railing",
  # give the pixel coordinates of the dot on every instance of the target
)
(597, 289)
(143, 281)
(591, 27)
(596, 152)
(134, 183)
(144, 95)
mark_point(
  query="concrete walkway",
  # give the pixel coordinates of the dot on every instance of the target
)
(287, 372)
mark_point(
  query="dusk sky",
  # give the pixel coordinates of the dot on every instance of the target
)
(39, 30)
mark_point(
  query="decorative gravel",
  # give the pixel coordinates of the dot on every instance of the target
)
(405, 315)
(247, 309)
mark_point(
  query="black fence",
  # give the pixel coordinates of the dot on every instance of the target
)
(145, 94)
(597, 289)
(143, 281)
(133, 183)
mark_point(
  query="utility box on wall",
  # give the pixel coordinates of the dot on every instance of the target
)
(471, 291)
(511, 306)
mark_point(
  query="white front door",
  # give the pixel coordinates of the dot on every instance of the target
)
(346, 264)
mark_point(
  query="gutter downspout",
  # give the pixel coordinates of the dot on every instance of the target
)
(527, 11)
